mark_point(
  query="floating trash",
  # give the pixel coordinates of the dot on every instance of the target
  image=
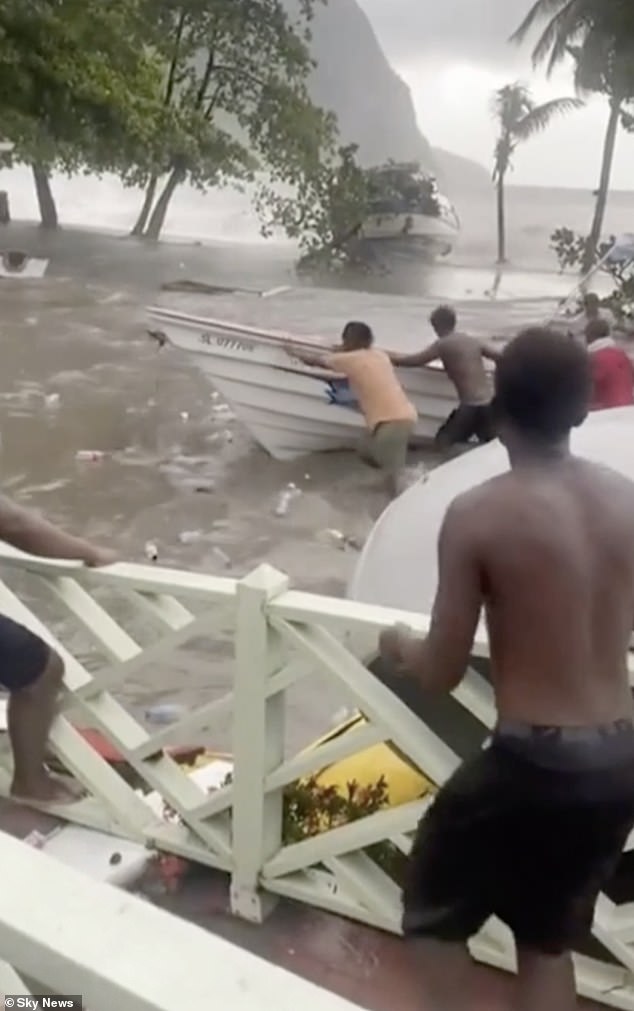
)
(165, 713)
(223, 557)
(151, 551)
(90, 455)
(52, 400)
(184, 415)
(190, 536)
(285, 498)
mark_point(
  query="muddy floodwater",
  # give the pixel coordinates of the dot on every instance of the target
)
(81, 377)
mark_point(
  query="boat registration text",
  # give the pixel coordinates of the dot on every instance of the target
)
(222, 341)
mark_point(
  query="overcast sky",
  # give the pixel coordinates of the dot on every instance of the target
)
(455, 53)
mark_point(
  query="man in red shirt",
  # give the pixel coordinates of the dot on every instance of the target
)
(611, 368)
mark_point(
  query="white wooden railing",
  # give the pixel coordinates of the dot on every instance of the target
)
(137, 616)
(78, 937)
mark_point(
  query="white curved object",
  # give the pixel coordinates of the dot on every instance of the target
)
(289, 408)
(21, 266)
(412, 232)
(398, 566)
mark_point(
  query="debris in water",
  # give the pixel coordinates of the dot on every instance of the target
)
(223, 557)
(151, 551)
(184, 416)
(228, 435)
(307, 477)
(205, 489)
(285, 498)
(190, 536)
(338, 539)
(215, 395)
(90, 455)
(52, 400)
(164, 713)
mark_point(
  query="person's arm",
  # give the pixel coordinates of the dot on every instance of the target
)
(316, 359)
(490, 351)
(424, 357)
(441, 659)
(27, 531)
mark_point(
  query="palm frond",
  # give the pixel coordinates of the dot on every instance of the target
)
(540, 11)
(541, 116)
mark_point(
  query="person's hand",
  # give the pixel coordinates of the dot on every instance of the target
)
(98, 558)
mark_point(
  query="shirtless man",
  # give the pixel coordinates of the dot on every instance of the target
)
(30, 671)
(463, 361)
(390, 416)
(531, 828)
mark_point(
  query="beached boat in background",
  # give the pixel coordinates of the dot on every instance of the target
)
(408, 216)
(14, 263)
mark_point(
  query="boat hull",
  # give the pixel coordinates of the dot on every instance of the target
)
(289, 408)
(408, 235)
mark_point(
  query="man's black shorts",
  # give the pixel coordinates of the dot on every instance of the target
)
(23, 655)
(466, 422)
(530, 830)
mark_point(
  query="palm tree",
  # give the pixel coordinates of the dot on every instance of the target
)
(599, 35)
(519, 119)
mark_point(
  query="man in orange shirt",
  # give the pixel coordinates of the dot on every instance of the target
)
(389, 416)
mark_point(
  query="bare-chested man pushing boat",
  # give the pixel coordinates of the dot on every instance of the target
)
(463, 360)
(532, 827)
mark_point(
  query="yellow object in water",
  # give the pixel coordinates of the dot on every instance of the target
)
(405, 782)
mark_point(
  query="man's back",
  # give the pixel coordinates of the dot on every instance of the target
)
(464, 364)
(556, 547)
(375, 384)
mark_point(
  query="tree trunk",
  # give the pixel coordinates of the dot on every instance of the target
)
(609, 147)
(141, 221)
(45, 198)
(157, 219)
(501, 214)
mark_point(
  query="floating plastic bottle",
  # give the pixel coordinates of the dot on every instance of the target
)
(164, 713)
(90, 455)
(223, 557)
(190, 536)
(151, 551)
(285, 498)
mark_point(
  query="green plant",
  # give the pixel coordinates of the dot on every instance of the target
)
(570, 248)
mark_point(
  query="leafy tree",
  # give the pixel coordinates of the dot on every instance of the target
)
(519, 119)
(235, 97)
(599, 35)
(77, 85)
(325, 213)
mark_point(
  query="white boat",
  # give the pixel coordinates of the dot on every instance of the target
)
(291, 409)
(398, 565)
(14, 263)
(408, 215)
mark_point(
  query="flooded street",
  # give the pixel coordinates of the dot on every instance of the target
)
(80, 377)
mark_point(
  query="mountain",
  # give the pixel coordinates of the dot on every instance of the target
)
(374, 106)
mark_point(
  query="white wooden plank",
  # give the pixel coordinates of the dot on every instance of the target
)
(121, 952)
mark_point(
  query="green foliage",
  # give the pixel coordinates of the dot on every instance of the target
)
(76, 82)
(519, 118)
(235, 95)
(324, 212)
(570, 248)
